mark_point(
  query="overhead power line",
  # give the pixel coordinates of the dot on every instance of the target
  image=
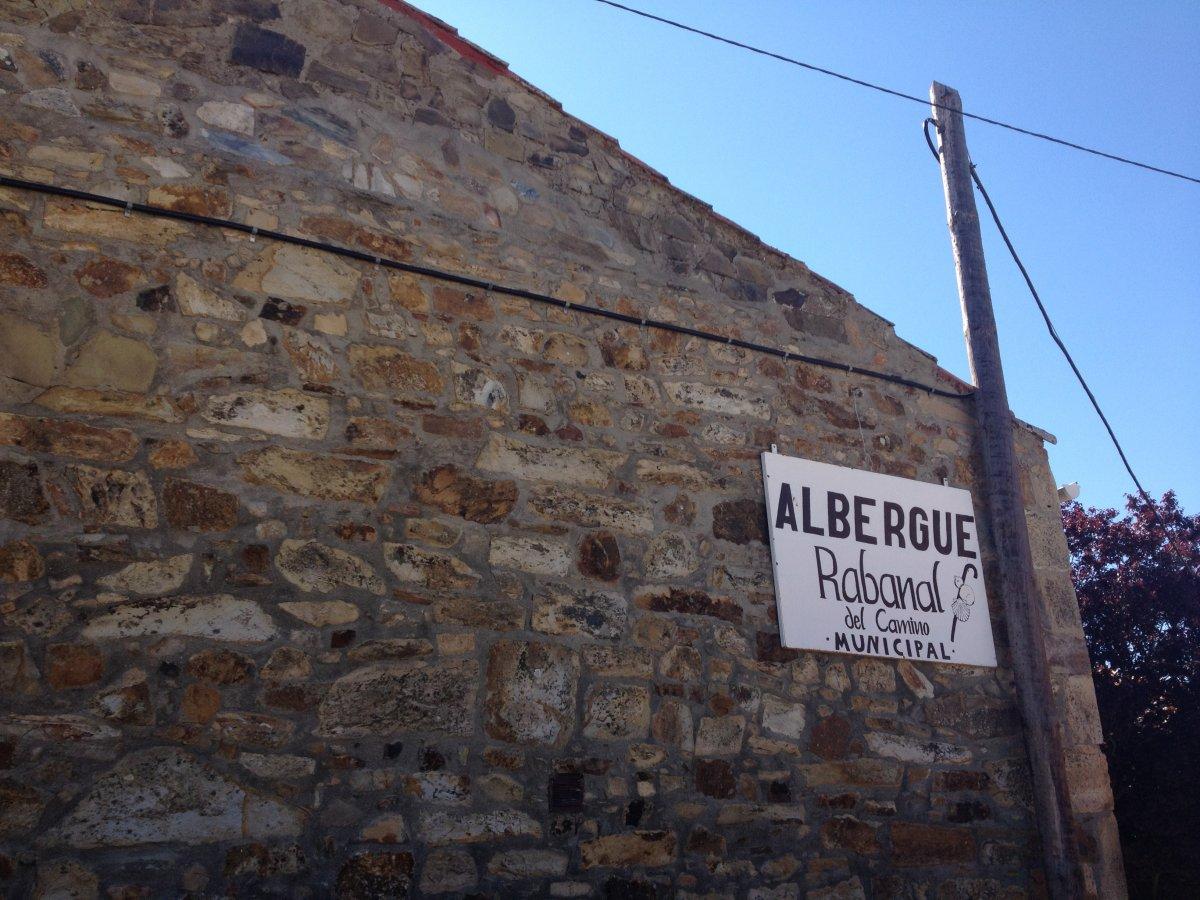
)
(1045, 315)
(894, 93)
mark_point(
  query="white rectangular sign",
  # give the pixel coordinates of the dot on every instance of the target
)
(875, 565)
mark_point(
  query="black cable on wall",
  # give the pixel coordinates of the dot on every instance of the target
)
(466, 281)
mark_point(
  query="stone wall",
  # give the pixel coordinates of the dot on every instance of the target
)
(320, 579)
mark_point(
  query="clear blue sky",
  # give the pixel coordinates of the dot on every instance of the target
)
(840, 177)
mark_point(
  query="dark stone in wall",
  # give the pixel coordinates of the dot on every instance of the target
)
(371, 875)
(740, 521)
(267, 51)
(199, 506)
(156, 299)
(566, 792)
(501, 115)
(917, 844)
(21, 493)
(634, 812)
(970, 716)
(321, 73)
(600, 557)
(779, 792)
(848, 833)
(88, 77)
(690, 602)
(281, 311)
(704, 842)
(961, 781)
(769, 649)
(681, 511)
(828, 327)
(173, 121)
(791, 298)
(968, 811)
(714, 777)
(73, 665)
(375, 31)
(831, 738)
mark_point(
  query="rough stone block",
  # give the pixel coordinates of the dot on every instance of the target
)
(783, 717)
(313, 566)
(477, 827)
(197, 300)
(321, 613)
(155, 577)
(564, 610)
(388, 370)
(599, 556)
(719, 399)
(21, 271)
(916, 750)
(531, 692)
(688, 602)
(21, 807)
(530, 554)
(286, 412)
(533, 462)
(850, 834)
(448, 870)
(492, 614)
(366, 876)
(198, 507)
(73, 665)
(104, 277)
(434, 570)
(67, 438)
(114, 497)
(638, 848)
(458, 494)
(392, 698)
(21, 496)
(315, 475)
(165, 795)
(110, 361)
(596, 510)
(216, 617)
(27, 353)
(110, 403)
(535, 863)
(20, 561)
(720, 736)
(617, 712)
(920, 844)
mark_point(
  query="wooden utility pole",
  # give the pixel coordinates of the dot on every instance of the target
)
(1023, 608)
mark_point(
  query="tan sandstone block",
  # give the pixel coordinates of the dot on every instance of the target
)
(637, 848)
(315, 475)
(28, 354)
(106, 222)
(110, 361)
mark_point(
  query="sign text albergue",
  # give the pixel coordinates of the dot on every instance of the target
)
(875, 565)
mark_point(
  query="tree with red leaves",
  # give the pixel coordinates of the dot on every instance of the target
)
(1138, 581)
